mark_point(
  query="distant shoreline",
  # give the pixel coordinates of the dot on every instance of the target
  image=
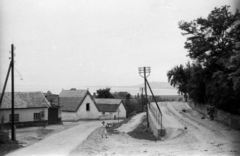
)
(154, 85)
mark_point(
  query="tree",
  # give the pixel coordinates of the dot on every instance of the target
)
(128, 106)
(104, 93)
(178, 77)
(49, 92)
(215, 71)
(121, 95)
(209, 39)
(196, 86)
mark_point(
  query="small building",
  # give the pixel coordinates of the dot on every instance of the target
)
(110, 108)
(30, 109)
(54, 112)
(77, 105)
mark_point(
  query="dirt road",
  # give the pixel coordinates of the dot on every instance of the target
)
(60, 144)
(187, 134)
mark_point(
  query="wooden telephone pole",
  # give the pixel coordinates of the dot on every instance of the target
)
(144, 71)
(11, 68)
(13, 127)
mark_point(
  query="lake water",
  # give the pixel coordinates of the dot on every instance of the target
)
(135, 91)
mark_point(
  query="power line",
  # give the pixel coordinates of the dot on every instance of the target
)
(18, 73)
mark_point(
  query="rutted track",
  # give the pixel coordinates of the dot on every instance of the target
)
(208, 133)
(201, 137)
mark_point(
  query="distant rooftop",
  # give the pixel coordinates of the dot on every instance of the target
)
(24, 100)
(107, 101)
(71, 100)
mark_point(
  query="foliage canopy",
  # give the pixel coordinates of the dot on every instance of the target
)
(104, 93)
(213, 76)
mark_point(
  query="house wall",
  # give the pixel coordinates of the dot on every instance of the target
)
(83, 114)
(104, 116)
(60, 115)
(122, 113)
(108, 115)
(25, 115)
(69, 116)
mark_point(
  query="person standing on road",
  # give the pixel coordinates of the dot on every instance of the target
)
(103, 130)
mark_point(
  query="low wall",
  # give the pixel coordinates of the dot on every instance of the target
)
(26, 124)
(228, 119)
(154, 123)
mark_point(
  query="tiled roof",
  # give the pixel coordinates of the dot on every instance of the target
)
(24, 100)
(107, 107)
(71, 100)
(108, 101)
(73, 93)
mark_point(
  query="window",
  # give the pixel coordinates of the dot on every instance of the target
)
(103, 113)
(16, 117)
(88, 107)
(36, 116)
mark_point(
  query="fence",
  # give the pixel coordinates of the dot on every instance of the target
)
(155, 121)
(156, 114)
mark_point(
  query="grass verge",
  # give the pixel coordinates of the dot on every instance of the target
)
(6, 144)
(143, 132)
(112, 130)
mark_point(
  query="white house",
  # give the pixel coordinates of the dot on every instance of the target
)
(77, 105)
(28, 108)
(110, 108)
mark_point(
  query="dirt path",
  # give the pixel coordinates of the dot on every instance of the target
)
(201, 137)
(59, 144)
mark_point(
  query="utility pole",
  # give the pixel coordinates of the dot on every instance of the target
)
(13, 128)
(145, 70)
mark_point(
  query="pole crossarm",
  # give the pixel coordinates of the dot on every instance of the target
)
(142, 70)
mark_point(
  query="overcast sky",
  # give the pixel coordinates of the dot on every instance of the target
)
(72, 43)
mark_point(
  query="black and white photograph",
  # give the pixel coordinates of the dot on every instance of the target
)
(119, 78)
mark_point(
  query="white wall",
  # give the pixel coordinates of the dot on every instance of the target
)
(24, 114)
(104, 116)
(110, 115)
(122, 113)
(69, 116)
(83, 114)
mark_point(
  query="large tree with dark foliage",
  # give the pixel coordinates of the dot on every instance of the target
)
(215, 71)
(104, 93)
(178, 77)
